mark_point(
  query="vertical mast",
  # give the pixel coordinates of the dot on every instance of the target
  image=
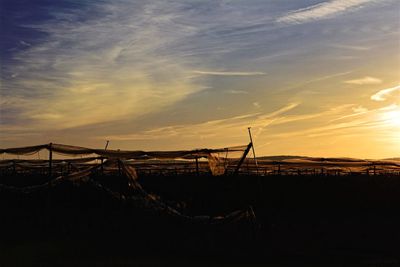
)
(252, 147)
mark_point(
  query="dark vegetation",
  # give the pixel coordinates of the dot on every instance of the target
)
(308, 219)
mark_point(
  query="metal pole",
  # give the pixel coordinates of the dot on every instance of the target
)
(252, 147)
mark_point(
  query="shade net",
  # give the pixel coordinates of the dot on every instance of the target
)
(222, 161)
(67, 157)
(226, 160)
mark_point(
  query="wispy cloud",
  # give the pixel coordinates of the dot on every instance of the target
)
(357, 111)
(280, 111)
(265, 128)
(322, 11)
(218, 127)
(367, 80)
(320, 79)
(107, 67)
(110, 64)
(237, 92)
(383, 94)
(229, 73)
(351, 47)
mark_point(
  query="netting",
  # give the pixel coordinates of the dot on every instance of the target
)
(326, 166)
(136, 195)
(28, 150)
(225, 160)
(215, 161)
(222, 161)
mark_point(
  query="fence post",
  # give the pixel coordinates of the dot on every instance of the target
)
(50, 159)
(197, 166)
(101, 166)
(119, 167)
(242, 158)
(14, 167)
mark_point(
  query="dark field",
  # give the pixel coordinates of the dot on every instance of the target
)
(301, 220)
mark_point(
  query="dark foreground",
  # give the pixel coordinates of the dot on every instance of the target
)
(301, 220)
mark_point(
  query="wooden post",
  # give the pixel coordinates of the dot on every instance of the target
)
(102, 159)
(101, 166)
(254, 152)
(119, 167)
(243, 157)
(374, 169)
(105, 148)
(50, 159)
(197, 166)
(14, 167)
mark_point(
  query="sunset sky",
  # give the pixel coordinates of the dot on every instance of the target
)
(311, 77)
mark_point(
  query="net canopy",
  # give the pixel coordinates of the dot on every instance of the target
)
(218, 160)
(27, 150)
(128, 154)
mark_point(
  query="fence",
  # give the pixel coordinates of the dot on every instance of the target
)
(222, 161)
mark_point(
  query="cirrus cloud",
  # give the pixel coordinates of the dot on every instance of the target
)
(383, 94)
(321, 11)
(229, 73)
(367, 80)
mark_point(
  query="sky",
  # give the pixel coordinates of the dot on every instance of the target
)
(311, 77)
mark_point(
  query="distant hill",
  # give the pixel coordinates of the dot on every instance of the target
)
(397, 159)
(281, 157)
(288, 157)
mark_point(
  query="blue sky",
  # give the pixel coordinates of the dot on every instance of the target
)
(186, 74)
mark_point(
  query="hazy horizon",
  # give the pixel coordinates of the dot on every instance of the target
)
(312, 78)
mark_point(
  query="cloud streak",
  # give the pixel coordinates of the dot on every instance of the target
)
(108, 67)
(321, 11)
(229, 73)
(384, 94)
(367, 80)
(214, 128)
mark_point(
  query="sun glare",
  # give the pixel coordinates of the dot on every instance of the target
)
(392, 118)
